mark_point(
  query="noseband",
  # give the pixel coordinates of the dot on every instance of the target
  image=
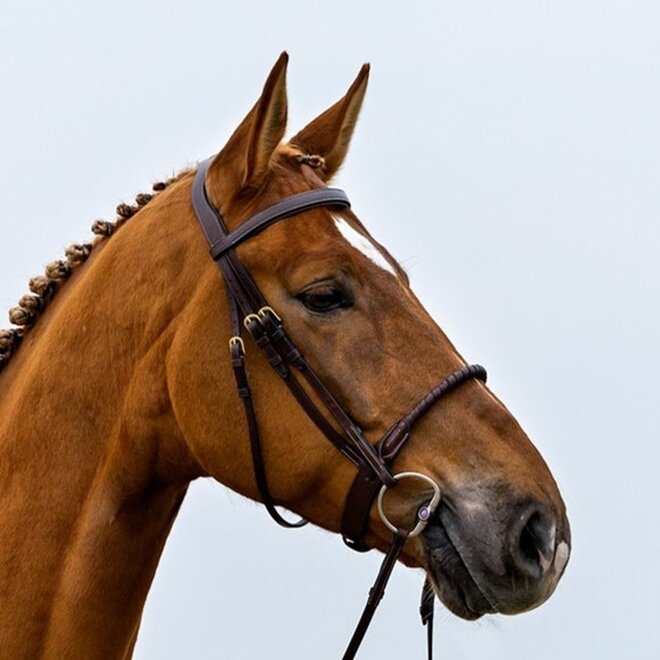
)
(249, 310)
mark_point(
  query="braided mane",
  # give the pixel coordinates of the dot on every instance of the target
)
(44, 287)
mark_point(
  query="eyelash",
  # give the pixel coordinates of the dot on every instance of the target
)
(325, 297)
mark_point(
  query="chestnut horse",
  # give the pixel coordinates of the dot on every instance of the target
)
(122, 393)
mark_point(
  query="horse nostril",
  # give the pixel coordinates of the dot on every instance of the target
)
(533, 543)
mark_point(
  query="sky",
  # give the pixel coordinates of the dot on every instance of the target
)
(508, 155)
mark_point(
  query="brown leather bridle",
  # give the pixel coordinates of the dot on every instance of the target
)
(250, 310)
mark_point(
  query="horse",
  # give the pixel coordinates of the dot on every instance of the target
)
(122, 393)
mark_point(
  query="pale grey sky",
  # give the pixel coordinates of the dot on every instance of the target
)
(508, 155)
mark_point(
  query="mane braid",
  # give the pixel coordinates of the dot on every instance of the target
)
(44, 287)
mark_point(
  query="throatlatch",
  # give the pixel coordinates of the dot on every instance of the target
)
(249, 310)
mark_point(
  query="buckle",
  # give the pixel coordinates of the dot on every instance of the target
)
(249, 318)
(266, 310)
(237, 341)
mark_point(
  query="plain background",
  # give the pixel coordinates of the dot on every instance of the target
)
(507, 154)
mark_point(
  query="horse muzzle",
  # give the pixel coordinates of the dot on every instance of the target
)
(503, 560)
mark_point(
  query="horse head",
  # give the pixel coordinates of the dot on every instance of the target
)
(499, 539)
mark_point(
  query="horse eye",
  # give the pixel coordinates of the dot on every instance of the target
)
(325, 297)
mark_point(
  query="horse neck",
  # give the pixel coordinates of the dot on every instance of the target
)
(92, 465)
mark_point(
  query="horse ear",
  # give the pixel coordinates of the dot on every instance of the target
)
(248, 152)
(329, 135)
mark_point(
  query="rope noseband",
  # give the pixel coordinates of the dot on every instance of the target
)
(249, 310)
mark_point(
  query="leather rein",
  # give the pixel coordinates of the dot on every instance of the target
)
(250, 311)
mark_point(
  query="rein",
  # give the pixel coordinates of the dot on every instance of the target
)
(250, 311)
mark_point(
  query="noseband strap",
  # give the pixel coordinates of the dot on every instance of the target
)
(250, 311)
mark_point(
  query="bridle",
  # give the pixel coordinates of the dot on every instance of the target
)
(249, 310)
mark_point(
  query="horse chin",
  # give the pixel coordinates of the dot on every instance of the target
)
(451, 579)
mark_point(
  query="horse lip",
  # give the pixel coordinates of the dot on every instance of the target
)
(451, 577)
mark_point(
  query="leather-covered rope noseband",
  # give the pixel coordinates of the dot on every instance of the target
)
(249, 310)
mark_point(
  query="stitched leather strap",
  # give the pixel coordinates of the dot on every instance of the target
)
(391, 443)
(365, 487)
(243, 388)
(426, 609)
(376, 592)
(285, 208)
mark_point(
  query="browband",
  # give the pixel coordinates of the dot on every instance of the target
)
(285, 208)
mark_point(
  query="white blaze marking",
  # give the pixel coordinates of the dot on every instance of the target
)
(363, 244)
